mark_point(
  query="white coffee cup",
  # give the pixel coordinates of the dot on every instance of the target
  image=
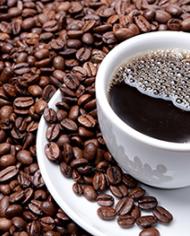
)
(154, 162)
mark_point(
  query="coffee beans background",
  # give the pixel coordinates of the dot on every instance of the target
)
(46, 45)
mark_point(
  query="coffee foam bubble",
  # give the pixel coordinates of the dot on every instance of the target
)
(163, 74)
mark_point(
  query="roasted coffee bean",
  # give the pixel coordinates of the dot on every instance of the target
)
(5, 189)
(142, 23)
(147, 203)
(7, 160)
(77, 189)
(23, 102)
(52, 151)
(4, 203)
(66, 170)
(89, 193)
(87, 121)
(126, 221)
(119, 191)
(5, 148)
(48, 208)
(5, 224)
(106, 213)
(16, 196)
(162, 214)
(114, 175)
(13, 210)
(58, 63)
(78, 163)
(129, 181)
(174, 10)
(99, 182)
(146, 221)
(135, 212)
(19, 223)
(174, 24)
(83, 54)
(137, 193)
(74, 112)
(124, 206)
(186, 24)
(149, 232)
(69, 124)
(25, 157)
(50, 115)
(41, 53)
(52, 132)
(8, 173)
(90, 151)
(105, 200)
(162, 16)
(88, 38)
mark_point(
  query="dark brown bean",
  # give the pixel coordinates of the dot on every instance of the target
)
(147, 203)
(13, 210)
(77, 189)
(137, 193)
(99, 182)
(146, 221)
(149, 232)
(87, 121)
(50, 115)
(89, 193)
(105, 200)
(4, 203)
(106, 213)
(118, 191)
(186, 24)
(90, 151)
(5, 148)
(48, 208)
(135, 212)
(5, 224)
(52, 132)
(8, 173)
(69, 124)
(162, 215)
(129, 181)
(25, 157)
(52, 151)
(83, 54)
(126, 221)
(162, 16)
(114, 175)
(124, 206)
(7, 160)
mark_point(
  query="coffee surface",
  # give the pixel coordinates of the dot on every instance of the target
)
(151, 94)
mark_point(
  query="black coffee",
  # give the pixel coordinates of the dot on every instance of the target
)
(151, 93)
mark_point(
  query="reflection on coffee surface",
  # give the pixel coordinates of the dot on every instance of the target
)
(151, 93)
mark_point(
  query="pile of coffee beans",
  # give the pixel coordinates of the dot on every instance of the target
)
(76, 145)
(46, 45)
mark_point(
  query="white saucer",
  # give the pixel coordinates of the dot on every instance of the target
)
(84, 212)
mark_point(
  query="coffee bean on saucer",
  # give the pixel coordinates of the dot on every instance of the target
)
(106, 213)
(147, 203)
(146, 221)
(162, 214)
(126, 221)
(149, 232)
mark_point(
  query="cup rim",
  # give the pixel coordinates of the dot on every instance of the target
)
(103, 100)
